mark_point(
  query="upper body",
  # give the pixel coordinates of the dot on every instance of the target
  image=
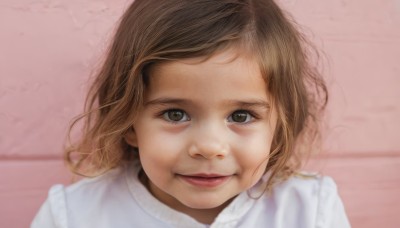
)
(216, 100)
(119, 199)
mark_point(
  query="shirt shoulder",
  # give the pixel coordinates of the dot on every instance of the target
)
(67, 205)
(312, 200)
(306, 185)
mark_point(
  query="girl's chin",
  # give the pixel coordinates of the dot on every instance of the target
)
(206, 203)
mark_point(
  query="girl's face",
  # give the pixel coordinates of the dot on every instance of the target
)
(205, 132)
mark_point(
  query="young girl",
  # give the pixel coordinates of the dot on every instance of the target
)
(200, 117)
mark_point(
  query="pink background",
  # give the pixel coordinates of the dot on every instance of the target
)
(49, 47)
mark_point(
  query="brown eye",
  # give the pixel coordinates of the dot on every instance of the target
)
(240, 117)
(175, 115)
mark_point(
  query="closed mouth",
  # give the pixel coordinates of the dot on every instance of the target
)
(205, 180)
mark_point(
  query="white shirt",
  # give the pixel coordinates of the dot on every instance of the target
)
(117, 199)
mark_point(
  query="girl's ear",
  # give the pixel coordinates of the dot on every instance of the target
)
(130, 137)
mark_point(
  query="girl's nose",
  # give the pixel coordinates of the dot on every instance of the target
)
(209, 143)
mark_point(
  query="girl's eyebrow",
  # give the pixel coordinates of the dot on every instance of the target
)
(253, 103)
(166, 101)
(250, 103)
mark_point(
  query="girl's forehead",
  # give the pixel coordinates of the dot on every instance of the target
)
(227, 69)
(221, 58)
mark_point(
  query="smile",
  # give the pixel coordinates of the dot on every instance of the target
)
(205, 180)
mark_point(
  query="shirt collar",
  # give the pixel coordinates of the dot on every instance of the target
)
(229, 217)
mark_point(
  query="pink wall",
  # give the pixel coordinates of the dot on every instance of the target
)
(48, 48)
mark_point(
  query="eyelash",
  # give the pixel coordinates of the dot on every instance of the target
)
(165, 115)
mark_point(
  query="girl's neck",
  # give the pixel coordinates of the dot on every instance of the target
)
(205, 216)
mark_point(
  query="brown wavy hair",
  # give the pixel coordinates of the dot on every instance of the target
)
(154, 31)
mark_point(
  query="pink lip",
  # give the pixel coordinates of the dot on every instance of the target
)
(205, 180)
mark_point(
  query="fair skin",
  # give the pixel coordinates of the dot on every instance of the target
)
(205, 132)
